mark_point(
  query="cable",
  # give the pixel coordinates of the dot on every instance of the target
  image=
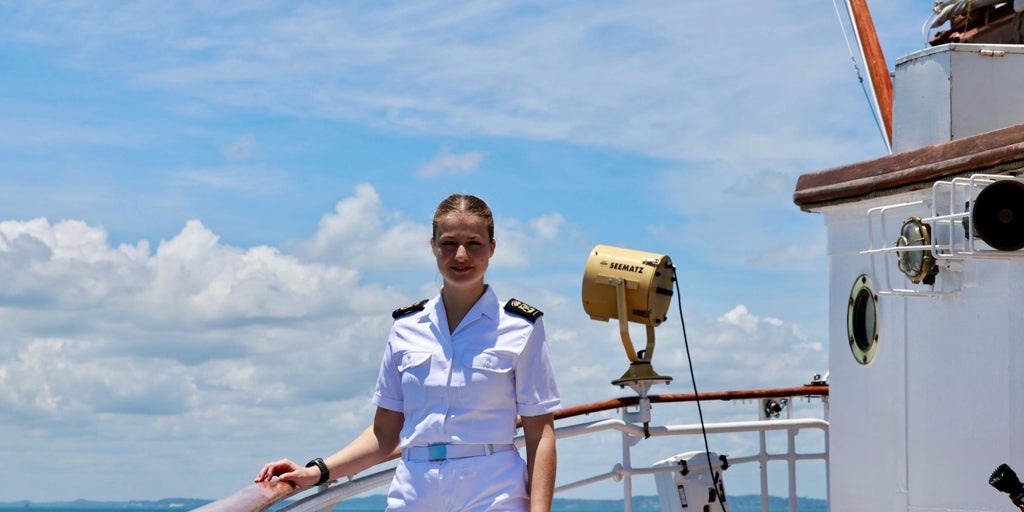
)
(926, 29)
(696, 395)
(877, 114)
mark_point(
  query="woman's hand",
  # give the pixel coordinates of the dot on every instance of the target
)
(288, 471)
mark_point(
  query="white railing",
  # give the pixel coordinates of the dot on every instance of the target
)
(329, 495)
(951, 207)
(953, 212)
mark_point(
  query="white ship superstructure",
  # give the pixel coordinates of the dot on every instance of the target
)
(926, 300)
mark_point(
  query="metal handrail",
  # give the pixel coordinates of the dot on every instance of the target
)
(262, 496)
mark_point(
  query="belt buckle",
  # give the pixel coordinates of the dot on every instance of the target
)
(436, 452)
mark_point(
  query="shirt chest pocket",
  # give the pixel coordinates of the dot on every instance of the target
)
(491, 365)
(414, 367)
(493, 361)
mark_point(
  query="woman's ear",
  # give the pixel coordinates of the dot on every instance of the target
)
(493, 244)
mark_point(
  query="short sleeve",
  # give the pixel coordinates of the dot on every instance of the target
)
(536, 390)
(388, 392)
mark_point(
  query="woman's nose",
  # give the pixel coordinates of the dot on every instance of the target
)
(461, 252)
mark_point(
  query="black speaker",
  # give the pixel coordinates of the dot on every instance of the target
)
(999, 215)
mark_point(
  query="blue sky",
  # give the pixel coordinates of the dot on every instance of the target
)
(207, 212)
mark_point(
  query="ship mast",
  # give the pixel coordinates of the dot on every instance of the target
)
(874, 60)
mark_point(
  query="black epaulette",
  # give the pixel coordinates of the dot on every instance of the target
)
(411, 308)
(520, 308)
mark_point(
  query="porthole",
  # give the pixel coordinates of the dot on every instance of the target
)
(862, 319)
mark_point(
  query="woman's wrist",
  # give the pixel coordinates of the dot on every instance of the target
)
(325, 474)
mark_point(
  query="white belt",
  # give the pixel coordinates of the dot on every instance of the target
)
(439, 452)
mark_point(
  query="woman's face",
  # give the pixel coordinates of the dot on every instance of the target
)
(463, 248)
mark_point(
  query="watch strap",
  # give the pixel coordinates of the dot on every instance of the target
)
(325, 474)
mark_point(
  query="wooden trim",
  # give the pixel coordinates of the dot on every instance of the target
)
(912, 168)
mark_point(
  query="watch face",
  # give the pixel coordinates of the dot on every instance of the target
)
(915, 263)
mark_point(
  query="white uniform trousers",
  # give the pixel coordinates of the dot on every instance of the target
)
(487, 483)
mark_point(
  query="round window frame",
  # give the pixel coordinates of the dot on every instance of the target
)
(862, 317)
(917, 265)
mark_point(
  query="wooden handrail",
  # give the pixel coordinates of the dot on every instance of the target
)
(618, 403)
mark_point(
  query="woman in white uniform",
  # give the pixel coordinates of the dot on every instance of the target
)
(457, 371)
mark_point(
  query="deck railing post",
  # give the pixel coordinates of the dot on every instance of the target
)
(763, 462)
(627, 478)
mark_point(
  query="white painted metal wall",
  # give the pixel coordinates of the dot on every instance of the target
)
(923, 425)
(952, 91)
(867, 442)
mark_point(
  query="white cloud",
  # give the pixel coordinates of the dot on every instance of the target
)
(741, 318)
(140, 327)
(250, 180)
(759, 351)
(243, 148)
(360, 233)
(67, 379)
(520, 244)
(212, 348)
(567, 72)
(548, 226)
(736, 350)
(453, 164)
(183, 310)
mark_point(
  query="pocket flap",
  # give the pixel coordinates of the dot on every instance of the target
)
(494, 361)
(412, 359)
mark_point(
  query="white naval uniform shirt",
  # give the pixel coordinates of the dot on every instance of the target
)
(467, 386)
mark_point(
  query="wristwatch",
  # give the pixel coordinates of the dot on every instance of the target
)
(325, 474)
